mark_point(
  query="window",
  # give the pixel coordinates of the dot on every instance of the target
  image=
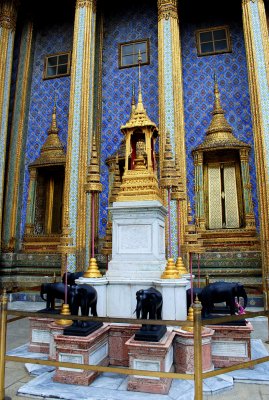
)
(213, 41)
(57, 65)
(129, 52)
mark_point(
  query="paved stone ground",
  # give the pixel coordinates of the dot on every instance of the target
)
(17, 375)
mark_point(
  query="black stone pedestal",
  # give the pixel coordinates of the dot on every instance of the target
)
(150, 333)
(78, 330)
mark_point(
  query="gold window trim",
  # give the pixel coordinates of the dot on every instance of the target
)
(212, 29)
(130, 43)
(68, 64)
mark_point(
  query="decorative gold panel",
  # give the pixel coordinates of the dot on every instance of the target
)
(231, 199)
(214, 197)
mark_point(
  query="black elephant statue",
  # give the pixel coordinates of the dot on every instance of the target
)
(149, 304)
(51, 291)
(222, 292)
(71, 277)
(83, 297)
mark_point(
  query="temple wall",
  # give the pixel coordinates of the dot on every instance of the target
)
(231, 74)
(49, 40)
(124, 24)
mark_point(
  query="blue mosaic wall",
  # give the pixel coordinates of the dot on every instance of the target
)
(124, 25)
(231, 73)
(49, 40)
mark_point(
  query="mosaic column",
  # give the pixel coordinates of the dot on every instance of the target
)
(171, 100)
(257, 50)
(199, 190)
(247, 197)
(8, 16)
(79, 132)
(11, 227)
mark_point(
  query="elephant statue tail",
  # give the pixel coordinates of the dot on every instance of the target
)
(138, 309)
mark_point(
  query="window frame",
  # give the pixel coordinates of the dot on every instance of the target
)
(133, 42)
(68, 64)
(211, 30)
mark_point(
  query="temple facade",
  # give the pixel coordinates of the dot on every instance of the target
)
(71, 76)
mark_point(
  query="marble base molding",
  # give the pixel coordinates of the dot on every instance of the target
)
(184, 351)
(39, 334)
(91, 349)
(231, 344)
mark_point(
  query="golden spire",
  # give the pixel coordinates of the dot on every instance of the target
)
(107, 247)
(178, 190)
(169, 174)
(219, 123)
(139, 116)
(116, 182)
(52, 151)
(93, 176)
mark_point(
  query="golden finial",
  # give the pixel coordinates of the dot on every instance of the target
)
(116, 181)
(65, 311)
(190, 319)
(168, 175)
(170, 271)
(93, 176)
(178, 191)
(181, 267)
(93, 271)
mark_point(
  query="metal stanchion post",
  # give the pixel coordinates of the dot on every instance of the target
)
(198, 369)
(3, 331)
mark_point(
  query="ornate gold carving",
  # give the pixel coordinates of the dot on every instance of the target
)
(167, 9)
(139, 181)
(93, 177)
(169, 172)
(8, 14)
(86, 3)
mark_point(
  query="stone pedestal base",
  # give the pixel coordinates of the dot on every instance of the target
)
(39, 334)
(55, 330)
(118, 351)
(184, 351)
(138, 240)
(151, 356)
(92, 349)
(117, 297)
(231, 344)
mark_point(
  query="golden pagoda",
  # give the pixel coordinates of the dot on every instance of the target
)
(139, 181)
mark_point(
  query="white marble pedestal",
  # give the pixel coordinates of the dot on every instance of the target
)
(138, 240)
(117, 297)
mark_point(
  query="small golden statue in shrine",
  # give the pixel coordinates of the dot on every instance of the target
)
(140, 159)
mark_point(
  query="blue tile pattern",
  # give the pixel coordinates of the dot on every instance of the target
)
(49, 40)
(125, 24)
(231, 73)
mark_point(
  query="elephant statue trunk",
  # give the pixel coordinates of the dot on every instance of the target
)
(138, 309)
